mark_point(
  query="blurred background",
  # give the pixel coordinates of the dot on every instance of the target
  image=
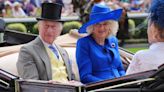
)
(19, 15)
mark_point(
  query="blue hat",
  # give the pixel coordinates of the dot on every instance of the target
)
(157, 12)
(100, 13)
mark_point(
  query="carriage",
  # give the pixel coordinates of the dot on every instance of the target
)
(148, 81)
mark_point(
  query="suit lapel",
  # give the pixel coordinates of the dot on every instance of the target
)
(40, 49)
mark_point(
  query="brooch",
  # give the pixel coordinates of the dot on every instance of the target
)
(113, 45)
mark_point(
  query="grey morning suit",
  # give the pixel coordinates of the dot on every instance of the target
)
(34, 63)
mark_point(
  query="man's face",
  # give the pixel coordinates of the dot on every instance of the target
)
(49, 30)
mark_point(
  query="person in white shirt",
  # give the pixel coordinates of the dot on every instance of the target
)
(18, 11)
(153, 57)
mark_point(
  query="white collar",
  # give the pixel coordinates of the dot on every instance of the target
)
(157, 45)
(47, 45)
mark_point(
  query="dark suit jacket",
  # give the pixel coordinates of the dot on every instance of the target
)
(34, 63)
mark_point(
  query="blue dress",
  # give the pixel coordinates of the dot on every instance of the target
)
(97, 62)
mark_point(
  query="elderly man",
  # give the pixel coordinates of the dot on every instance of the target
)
(41, 59)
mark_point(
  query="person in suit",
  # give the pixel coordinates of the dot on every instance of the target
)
(42, 59)
(153, 57)
(97, 54)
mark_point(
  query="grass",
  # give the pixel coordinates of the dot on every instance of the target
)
(134, 50)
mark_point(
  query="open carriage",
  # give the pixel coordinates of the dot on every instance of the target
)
(148, 81)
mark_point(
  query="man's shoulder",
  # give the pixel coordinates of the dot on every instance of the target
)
(143, 53)
(29, 45)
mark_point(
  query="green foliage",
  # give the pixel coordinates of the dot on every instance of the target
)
(131, 24)
(138, 21)
(67, 26)
(17, 27)
(29, 26)
(35, 29)
(140, 34)
(134, 50)
(139, 31)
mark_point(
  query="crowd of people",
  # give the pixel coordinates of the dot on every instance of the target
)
(25, 8)
(31, 8)
(130, 5)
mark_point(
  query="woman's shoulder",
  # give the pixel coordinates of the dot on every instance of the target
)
(83, 42)
(112, 38)
(84, 39)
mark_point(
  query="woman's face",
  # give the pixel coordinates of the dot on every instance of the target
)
(101, 30)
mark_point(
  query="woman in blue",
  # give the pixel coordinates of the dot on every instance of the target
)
(97, 54)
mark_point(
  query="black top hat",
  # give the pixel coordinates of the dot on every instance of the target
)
(51, 12)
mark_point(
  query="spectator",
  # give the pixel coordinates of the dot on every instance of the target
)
(17, 10)
(37, 3)
(68, 8)
(2, 8)
(123, 32)
(137, 6)
(29, 8)
(8, 9)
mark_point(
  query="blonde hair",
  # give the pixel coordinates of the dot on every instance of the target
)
(113, 26)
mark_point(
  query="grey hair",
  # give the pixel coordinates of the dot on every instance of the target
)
(113, 26)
